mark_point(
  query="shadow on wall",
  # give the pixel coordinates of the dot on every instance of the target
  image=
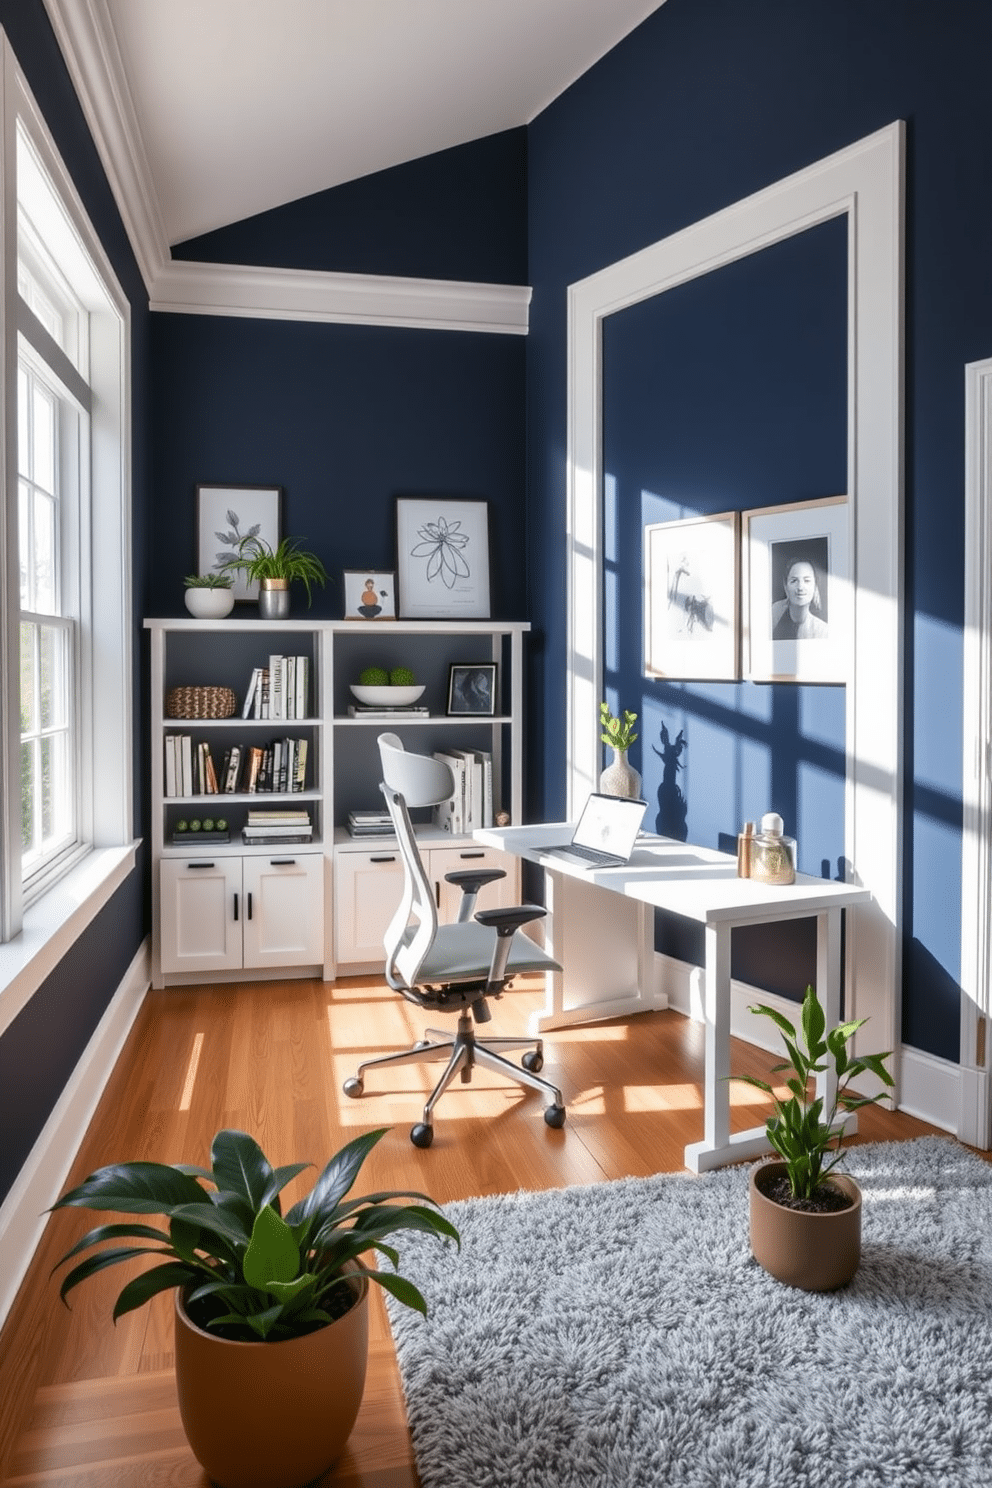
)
(672, 807)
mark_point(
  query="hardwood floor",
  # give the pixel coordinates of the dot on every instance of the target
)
(84, 1404)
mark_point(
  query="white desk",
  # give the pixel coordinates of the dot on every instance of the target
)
(600, 927)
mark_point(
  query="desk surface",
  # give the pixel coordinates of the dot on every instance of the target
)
(697, 882)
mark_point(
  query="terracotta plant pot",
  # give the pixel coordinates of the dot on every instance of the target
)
(817, 1252)
(271, 1415)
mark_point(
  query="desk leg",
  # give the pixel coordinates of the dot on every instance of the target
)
(828, 976)
(718, 1146)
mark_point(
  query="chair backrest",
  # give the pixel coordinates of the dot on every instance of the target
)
(410, 780)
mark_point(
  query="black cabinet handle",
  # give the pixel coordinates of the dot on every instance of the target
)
(201, 865)
(480, 854)
(388, 858)
(235, 906)
(249, 906)
(282, 862)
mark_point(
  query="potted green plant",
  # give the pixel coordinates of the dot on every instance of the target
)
(617, 730)
(805, 1217)
(271, 1321)
(209, 596)
(274, 569)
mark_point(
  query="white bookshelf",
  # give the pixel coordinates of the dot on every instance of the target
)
(209, 923)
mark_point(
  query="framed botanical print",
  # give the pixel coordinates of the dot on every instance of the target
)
(225, 516)
(442, 547)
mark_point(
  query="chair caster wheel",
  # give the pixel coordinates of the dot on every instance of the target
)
(422, 1135)
(554, 1116)
(354, 1087)
(533, 1061)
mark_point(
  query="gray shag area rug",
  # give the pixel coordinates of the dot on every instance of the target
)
(622, 1336)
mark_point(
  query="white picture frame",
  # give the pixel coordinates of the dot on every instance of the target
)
(691, 598)
(442, 548)
(798, 592)
(369, 594)
(225, 515)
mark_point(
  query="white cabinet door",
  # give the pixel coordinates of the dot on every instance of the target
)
(283, 914)
(201, 914)
(442, 860)
(367, 889)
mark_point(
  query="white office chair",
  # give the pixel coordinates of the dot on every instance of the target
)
(452, 968)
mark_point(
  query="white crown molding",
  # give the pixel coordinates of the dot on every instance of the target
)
(359, 299)
(88, 42)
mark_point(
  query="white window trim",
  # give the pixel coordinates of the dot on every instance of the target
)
(43, 934)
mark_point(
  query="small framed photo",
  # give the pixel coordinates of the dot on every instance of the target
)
(472, 689)
(225, 515)
(798, 602)
(442, 548)
(691, 572)
(369, 595)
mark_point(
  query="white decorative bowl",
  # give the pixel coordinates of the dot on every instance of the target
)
(209, 604)
(386, 697)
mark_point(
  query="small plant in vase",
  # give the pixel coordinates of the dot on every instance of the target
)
(271, 1322)
(274, 569)
(209, 596)
(619, 778)
(792, 1197)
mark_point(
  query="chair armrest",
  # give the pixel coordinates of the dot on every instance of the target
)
(471, 880)
(505, 921)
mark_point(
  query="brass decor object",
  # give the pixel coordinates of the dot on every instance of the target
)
(200, 702)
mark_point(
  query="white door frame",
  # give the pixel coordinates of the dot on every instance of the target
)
(975, 1115)
(865, 183)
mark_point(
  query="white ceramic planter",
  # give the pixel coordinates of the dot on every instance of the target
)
(210, 604)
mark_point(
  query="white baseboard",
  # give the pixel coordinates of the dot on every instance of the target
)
(23, 1214)
(927, 1087)
(930, 1088)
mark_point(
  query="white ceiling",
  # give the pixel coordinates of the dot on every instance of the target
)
(242, 105)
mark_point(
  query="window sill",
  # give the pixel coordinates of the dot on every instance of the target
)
(55, 921)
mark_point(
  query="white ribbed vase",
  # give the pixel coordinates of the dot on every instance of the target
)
(620, 778)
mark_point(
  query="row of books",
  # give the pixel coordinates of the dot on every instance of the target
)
(192, 770)
(370, 824)
(280, 690)
(285, 827)
(471, 803)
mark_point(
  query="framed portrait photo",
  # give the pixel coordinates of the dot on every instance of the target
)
(691, 598)
(798, 595)
(369, 595)
(472, 688)
(225, 516)
(442, 547)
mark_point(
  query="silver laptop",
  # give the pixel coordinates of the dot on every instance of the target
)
(605, 834)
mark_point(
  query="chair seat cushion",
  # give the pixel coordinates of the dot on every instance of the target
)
(462, 952)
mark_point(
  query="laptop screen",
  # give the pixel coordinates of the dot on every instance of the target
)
(610, 824)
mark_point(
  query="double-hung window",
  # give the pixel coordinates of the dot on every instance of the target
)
(65, 648)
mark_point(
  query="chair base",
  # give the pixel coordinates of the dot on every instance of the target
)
(464, 1051)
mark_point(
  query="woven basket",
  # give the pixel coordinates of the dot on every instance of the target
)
(199, 702)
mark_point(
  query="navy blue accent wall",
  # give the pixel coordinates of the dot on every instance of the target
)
(345, 418)
(700, 107)
(41, 1047)
(458, 214)
(728, 393)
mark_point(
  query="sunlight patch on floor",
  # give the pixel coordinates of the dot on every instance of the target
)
(186, 1098)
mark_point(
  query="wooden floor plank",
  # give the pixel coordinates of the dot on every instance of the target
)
(86, 1405)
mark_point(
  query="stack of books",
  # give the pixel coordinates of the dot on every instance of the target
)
(280, 690)
(369, 824)
(471, 803)
(277, 827)
(387, 710)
